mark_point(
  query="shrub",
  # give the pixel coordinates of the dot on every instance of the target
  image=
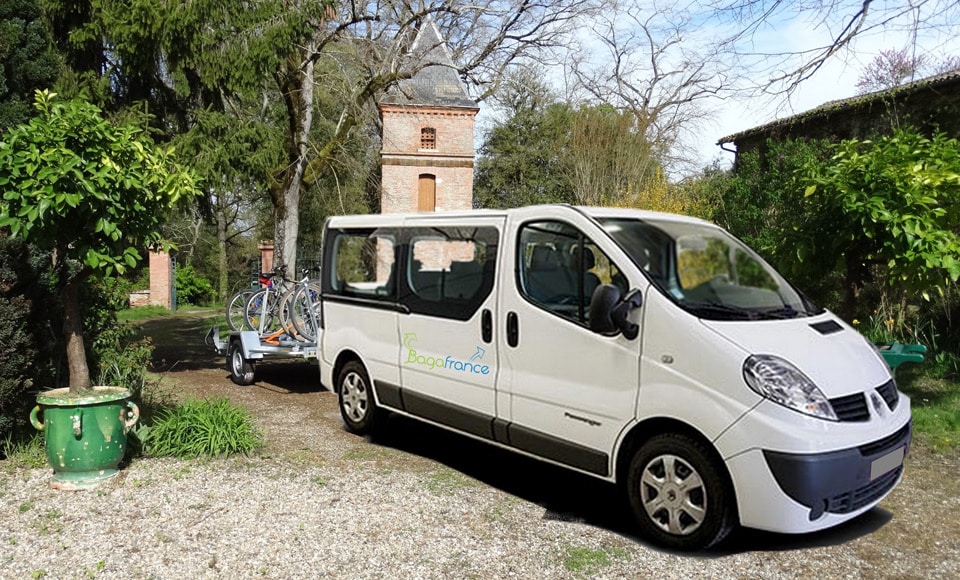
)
(192, 288)
(27, 307)
(202, 428)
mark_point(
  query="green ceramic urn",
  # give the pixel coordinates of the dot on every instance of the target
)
(85, 433)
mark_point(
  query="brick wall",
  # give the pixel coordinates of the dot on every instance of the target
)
(403, 161)
(400, 183)
(160, 279)
(401, 130)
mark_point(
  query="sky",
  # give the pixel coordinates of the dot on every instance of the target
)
(835, 80)
(787, 32)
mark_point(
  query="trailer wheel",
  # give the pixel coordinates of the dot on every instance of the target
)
(241, 370)
(357, 405)
(678, 493)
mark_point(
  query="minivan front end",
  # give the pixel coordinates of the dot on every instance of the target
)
(801, 409)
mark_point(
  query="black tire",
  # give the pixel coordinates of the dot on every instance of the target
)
(357, 405)
(679, 494)
(241, 370)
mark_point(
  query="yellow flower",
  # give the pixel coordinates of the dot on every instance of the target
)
(856, 322)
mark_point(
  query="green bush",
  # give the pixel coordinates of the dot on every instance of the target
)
(30, 313)
(202, 428)
(193, 288)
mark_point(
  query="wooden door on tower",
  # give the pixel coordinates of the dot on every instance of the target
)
(427, 198)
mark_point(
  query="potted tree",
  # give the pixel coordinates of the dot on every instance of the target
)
(93, 194)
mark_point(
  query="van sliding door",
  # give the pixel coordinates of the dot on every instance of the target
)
(448, 352)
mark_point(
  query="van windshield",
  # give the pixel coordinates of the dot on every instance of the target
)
(707, 271)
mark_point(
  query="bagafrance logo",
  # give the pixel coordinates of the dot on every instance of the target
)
(473, 366)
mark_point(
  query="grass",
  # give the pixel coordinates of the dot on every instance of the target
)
(936, 409)
(142, 313)
(588, 561)
(26, 453)
(447, 482)
(203, 428)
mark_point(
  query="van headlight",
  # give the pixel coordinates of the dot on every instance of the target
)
(776, 379)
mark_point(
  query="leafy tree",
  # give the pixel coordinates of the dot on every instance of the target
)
(765, 197)
(891, 202)
(90, 193)
(27, 59)
(523, 160)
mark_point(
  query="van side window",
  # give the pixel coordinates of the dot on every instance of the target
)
(363, 264)
(560, 268)
(450, 271)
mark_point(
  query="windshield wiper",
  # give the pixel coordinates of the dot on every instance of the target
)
(726, 311)
(784, 313)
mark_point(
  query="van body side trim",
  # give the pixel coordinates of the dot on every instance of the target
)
(559, 450)
(389, 394)
(493, 429)
(449, 414)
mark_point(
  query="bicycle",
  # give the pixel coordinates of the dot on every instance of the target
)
(263, 309)
(302, 305)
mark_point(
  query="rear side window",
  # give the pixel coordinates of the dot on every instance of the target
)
(449, 271)
(362, 264)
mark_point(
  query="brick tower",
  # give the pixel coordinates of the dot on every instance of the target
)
(427, 155)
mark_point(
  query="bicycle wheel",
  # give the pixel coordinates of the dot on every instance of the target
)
(306, 310)
(236, 317)
(285, 313)
(261, 312)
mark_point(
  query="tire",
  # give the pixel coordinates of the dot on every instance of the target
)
(357, 406)
(241, 370)
(679, 494)
(236, 317)
(302, 319)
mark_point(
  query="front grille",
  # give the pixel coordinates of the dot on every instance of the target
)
(885, 444)
(854, 407)
(865, 495)
(851, 407)
(888, 391)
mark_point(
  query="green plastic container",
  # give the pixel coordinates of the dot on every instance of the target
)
(85, 433)
(897, 353)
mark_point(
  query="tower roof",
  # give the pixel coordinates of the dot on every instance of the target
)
(436, 83)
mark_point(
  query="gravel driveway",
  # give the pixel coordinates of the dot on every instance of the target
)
(417, 502)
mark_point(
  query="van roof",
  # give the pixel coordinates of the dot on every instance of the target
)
(397, 219)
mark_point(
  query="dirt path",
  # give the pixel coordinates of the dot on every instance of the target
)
(914, 533)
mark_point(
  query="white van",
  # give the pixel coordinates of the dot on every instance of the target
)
(651, 350)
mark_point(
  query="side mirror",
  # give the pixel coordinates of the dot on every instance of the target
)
(605, 298)
(621, 311)
(609, 312)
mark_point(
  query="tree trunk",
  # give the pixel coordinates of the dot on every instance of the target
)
(297, 90)
(856, 275)
(222, 254)
(73, 334)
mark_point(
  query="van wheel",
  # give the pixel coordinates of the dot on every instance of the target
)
(357, 406)
(241, 370)
(679, 494)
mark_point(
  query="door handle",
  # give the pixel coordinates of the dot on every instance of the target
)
(513, 329)
(486, 326)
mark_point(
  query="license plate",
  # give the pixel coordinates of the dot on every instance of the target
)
(887, 463)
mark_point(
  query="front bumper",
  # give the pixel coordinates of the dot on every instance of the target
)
(845, 481)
